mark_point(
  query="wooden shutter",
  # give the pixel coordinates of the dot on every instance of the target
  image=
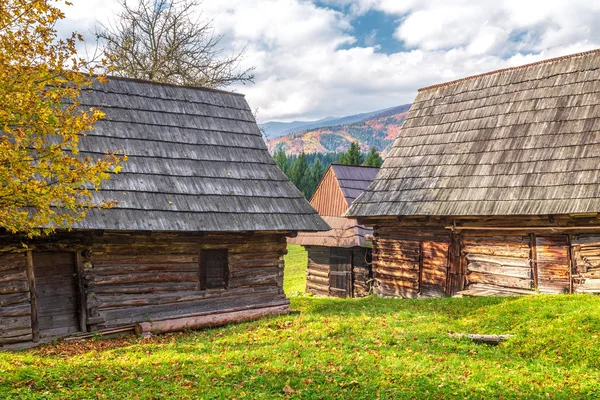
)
(214, 269)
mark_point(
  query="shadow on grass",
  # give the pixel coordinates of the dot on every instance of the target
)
(298, 380)
(357, 348)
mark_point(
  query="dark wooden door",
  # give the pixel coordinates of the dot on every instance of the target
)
(340, 272)
(56, 281)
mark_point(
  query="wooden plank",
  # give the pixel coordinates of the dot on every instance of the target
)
(144, 277)
(35, 327)
(17, 332)
(316, 272)
(49, 290)
(50, 305)
(15, 298)
(9, 324)
(81, 293)
(534, 260)
(571, 262)
(420, 276)
(11, 287)
(154, 287)
(499, 280)
(67, 320)
(514, 291)
(17, 339)
(10, 261)
(124, 269)
(118, 317)
(15, 310)
(13, 275)
(383, 289)
(516, 272)
(110, 260)
(500, 261)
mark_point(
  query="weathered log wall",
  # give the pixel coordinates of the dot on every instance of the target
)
(15, 304)
(503, 257)
(129, 278)
(157, 277)
(317, 272)
(350, 264)
(586, 263)
(361, 271)
(410, 261)
(497, 263)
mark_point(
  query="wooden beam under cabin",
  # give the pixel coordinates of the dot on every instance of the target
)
(35, 327)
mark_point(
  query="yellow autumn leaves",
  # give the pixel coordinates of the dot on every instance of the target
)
(44, 181)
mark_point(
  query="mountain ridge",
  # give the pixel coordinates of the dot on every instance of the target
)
(276, 129)
(378, 130)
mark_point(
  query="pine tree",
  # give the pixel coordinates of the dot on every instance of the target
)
(300, 174)
(373, 158)
(353, 156)
(281, 160)
(316, 175)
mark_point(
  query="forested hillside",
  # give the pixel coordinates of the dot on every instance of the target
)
(378, 131)
(307, 170)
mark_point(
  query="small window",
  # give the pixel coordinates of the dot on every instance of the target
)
(214, 269)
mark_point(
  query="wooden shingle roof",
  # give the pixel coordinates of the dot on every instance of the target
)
(340, 185)
(196, 162)
(519, 141)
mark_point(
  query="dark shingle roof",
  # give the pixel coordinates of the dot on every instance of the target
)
(196, 162)
(353, 180)
(520, 141)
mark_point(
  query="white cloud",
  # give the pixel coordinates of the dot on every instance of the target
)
(308, 63)
(83, 17)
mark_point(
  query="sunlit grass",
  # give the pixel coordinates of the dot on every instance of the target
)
(355, 348)
(296, 261)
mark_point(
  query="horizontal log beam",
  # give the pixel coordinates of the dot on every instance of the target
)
(208, 321)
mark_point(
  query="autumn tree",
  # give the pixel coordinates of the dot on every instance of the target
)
(373, 158)
(44, 181)
(168, 41)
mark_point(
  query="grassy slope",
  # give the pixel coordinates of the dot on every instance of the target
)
(368, 348)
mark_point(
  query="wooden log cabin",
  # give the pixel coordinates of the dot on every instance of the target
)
(199, 229)
(493, 186)
(339, 260)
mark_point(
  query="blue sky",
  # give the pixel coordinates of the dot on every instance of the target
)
(339, 57)
(373, 28)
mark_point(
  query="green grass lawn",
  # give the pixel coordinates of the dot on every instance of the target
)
(367, 348)
(296, 260)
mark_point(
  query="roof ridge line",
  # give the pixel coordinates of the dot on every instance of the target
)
(200, 88)
(355, 166)
(499, 71)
